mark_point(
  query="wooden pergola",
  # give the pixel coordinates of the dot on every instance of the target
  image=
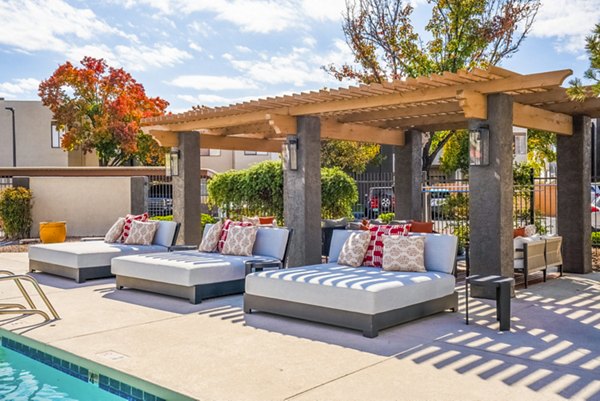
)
(394, 113)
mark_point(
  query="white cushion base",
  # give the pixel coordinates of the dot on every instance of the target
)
(365, 290)
(77, 255)
(185, 268)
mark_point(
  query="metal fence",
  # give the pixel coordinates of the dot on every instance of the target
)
(595, 210)
(375, 194)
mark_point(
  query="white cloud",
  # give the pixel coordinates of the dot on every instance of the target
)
(132, 58)
(300, 67)
(48, 24)
(243, 49)
(568, 21)
(330, 10)
(213, 82)
(196, 47)
(207, 99)
(19, 87)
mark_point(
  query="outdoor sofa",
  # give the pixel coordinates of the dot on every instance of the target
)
(84, 260)
(537, 253)
(363, 298)
(196, 275)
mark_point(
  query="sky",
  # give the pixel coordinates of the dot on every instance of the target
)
(219, 52)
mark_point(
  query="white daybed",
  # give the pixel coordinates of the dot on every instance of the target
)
(364, 298)
(86, 260)
(195, 275)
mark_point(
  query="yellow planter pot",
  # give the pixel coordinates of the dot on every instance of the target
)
(53, 231)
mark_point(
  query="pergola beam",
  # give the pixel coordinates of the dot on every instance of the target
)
(382, 115)
(332, 129)
(208, 141)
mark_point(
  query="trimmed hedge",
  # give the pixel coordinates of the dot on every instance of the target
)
(205, 218)
(15, 212)
(258, 190)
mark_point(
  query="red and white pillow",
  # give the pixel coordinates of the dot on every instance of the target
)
(128, 221)
(226, 226)
(374, 255)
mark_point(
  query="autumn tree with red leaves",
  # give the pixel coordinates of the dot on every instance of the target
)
(461, 34)
(100, 108)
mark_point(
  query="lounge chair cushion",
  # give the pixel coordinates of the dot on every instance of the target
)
(363, 290)
(185, 268)
(440, 250)
(86, 254)
(165, 233)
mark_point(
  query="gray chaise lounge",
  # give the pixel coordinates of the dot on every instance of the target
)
(195, 275)
(91, 259)
(365, 298)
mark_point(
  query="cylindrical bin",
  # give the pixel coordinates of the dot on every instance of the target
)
(53, 231)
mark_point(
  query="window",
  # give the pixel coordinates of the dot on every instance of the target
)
(210, 152)
(55, 135)
(520, 144)
(254, 153)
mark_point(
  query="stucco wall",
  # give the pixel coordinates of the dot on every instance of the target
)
(89, 205)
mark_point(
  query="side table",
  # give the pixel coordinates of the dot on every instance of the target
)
(257, 265)
(502, 286)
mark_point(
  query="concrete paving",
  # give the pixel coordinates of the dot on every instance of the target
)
(212, 351)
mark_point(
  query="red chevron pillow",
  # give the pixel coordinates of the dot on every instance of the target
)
(374, 255)
(128, 221)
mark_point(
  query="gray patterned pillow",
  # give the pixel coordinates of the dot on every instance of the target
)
(114, 233)
(211, 239)
(240, 241)
(354, 249)
(142, 232)
(404, 254)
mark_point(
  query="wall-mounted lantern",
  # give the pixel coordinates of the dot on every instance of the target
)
(172, 162)
(290, 153)
(479, 147)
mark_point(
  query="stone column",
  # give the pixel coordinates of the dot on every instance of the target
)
(409, 177)
(302, 196)
(491, 197)
(186, 189)
(573, 195)
(139, 195)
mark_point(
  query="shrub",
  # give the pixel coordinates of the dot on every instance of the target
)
(204, 218)
(258, 190)
(15, 212)
(386, 217)
(596, 239)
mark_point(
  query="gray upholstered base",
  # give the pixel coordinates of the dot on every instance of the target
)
(368, 324)
(79, 275)
(195, 294)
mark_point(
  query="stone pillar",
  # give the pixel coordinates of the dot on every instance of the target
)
(409, 177)
(302, 196)
(186, 189)
(573, 195)
(139, 195)
(491, 197)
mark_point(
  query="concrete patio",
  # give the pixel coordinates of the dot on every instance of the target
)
(211, 351)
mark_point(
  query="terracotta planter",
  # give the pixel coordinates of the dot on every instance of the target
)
(53, 231)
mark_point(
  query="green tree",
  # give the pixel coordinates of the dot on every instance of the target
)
(462, 34)
(456, 153)
(577, 91)
(541, 149)
(352, 157)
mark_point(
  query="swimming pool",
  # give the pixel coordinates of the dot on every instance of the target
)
(28, 373)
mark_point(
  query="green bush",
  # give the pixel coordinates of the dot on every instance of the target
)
(258, 190)
(205, 219)
(386, 217)
(15, 212)
(596, 238)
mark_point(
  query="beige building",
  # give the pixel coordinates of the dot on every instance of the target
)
(38, 142)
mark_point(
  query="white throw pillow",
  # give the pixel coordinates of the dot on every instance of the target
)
(530, 230)
(211, 239)
(518, 244)
(403, 253)
(141, 233)
(354, 249)
(240, 241)
(114, 233)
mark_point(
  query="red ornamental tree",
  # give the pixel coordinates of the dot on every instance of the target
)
(100, 108)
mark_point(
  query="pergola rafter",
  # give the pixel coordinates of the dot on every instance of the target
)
(382, 112)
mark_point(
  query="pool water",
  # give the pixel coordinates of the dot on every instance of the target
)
(23, 379)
